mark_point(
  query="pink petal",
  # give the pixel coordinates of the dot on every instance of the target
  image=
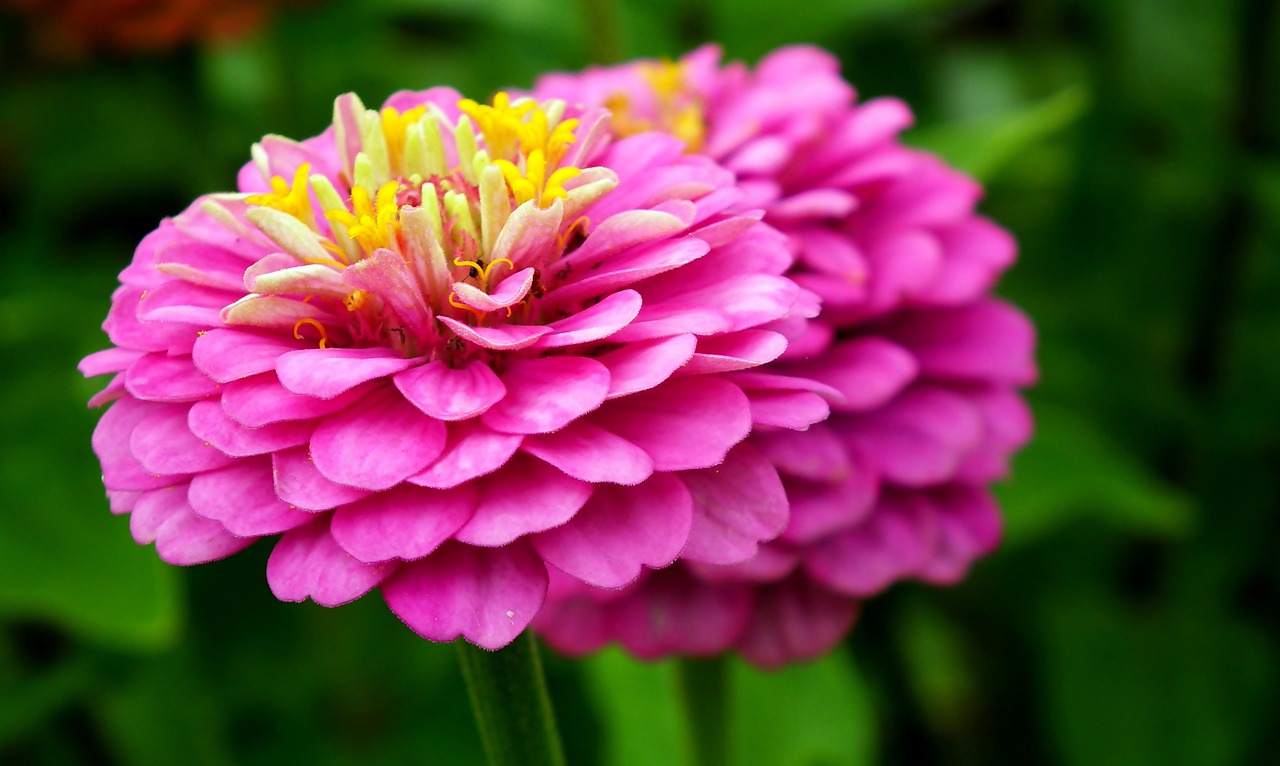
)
(512, 290)
(507, 337)
(816, 455)
(207, 421)
(153, 508)
(163, 444)
(298, 482)
(547, 393)
(327, 372)
(229, 354)
(406, 522)
(867, 371)
(684, 423)
(794, 621)
(796, 410)
(968, 524)
(307, 563)
(261, 400)
(386, 274)
(892, 544)
(107, 361)
(735, 351)
(526, 496)
(446, 393)
(984, 341)
(621, 529)
(376, 443)
(590, 453)
(242, 498)
(640, 366)
(184, 538)
(919, 439)
(737, 505)
(471, 451)
(594, 323)
(487, 596)
(159, 377)
(822, 509)
(111, 437)
(679, 614)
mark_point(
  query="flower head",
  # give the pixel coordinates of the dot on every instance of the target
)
(446, 347)
(894, 484)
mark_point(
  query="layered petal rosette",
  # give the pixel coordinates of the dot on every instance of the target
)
(445, 348)
(894, 485)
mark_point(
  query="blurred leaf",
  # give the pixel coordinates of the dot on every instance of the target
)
(63, 557)
(639, 707)
(1174, 688)
(937, 668)
(29, 704)
(1073, 469)
(984, 146)
(807, 714)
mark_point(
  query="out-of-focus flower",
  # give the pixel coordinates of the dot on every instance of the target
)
(72, 28)
(445, 347)
(895, 484)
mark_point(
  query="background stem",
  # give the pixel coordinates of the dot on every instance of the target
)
(704, 688)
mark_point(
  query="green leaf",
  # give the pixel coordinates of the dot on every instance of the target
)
(1074, 469)
(638, 707)
(984, 146)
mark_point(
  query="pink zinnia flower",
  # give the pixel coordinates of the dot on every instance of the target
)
(895, 484)
(446, 347)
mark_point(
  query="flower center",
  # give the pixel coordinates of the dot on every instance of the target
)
(445, 219)
(677, 107)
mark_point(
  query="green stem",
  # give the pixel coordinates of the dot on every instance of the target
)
(513, 711)
(704, 687)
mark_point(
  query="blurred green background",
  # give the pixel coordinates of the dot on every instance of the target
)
(1133, 146)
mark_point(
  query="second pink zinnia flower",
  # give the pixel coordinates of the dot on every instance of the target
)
(445, 346)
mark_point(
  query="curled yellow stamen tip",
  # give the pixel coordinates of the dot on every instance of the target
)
(581, 223)
(484, 275)
(319, 328)
(292, 199)
(453, 301)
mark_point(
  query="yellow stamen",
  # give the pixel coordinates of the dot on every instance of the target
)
(355, 300)
(309, 322)
(292, 199)
(394, 127)
(371, 224)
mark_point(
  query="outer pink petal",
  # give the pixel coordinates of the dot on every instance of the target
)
(111, 437)
(299, 483)
(377, 443)
(406, 522)
(547, 393)
(679, 614)
(327, 372)
(983, 341)
(683, 424)
(242, 498)
(261, 400)
(209, 422)
(159, 377)
(640, 366)
(968, 524)
(186, 539)
(471, 451)
(892, 544)
(526, 496)
(227, 354)
(307, 563)
(867, 371)
(153, 508)
(487, 596)
(595, 323)
(163, 443)
(796, 620)
(737, 505)
(446, 393)
(819, 510)
(621, 529)
(507, 337)
(920, 438)
(590, 453)
(816, 455)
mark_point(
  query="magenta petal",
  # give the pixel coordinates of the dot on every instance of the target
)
(446, 393)
(796, 620)
(867, 371)
(471, 450)
(162, 378)
(983, 341)
(819, 510)
(511, 291)
(164, 444)
(242, 498)
(621, 529)
(376, 443)
(892, 544)
(111, 437)
(406, 522)
(185, 539)
(209, 422)
(816, 455)
(795, 410)
(640, 366)
(737, 505)
(968, 525)
(684, 423)
(595, 323)
(225, 354)
(590, 453)
(261, 400)
(153, 508)
(487, 596)
(299, 483)
(526, 496)
(547, 393)
(307, 563)
(507, 337)
(920, 438)
(677, 613)
(735, 351)
(108, 361)
(327, 372)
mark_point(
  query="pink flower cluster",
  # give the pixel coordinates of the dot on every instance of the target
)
(895, 483)
(688, 357)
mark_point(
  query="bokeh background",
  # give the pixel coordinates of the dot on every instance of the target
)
(1131, 617)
